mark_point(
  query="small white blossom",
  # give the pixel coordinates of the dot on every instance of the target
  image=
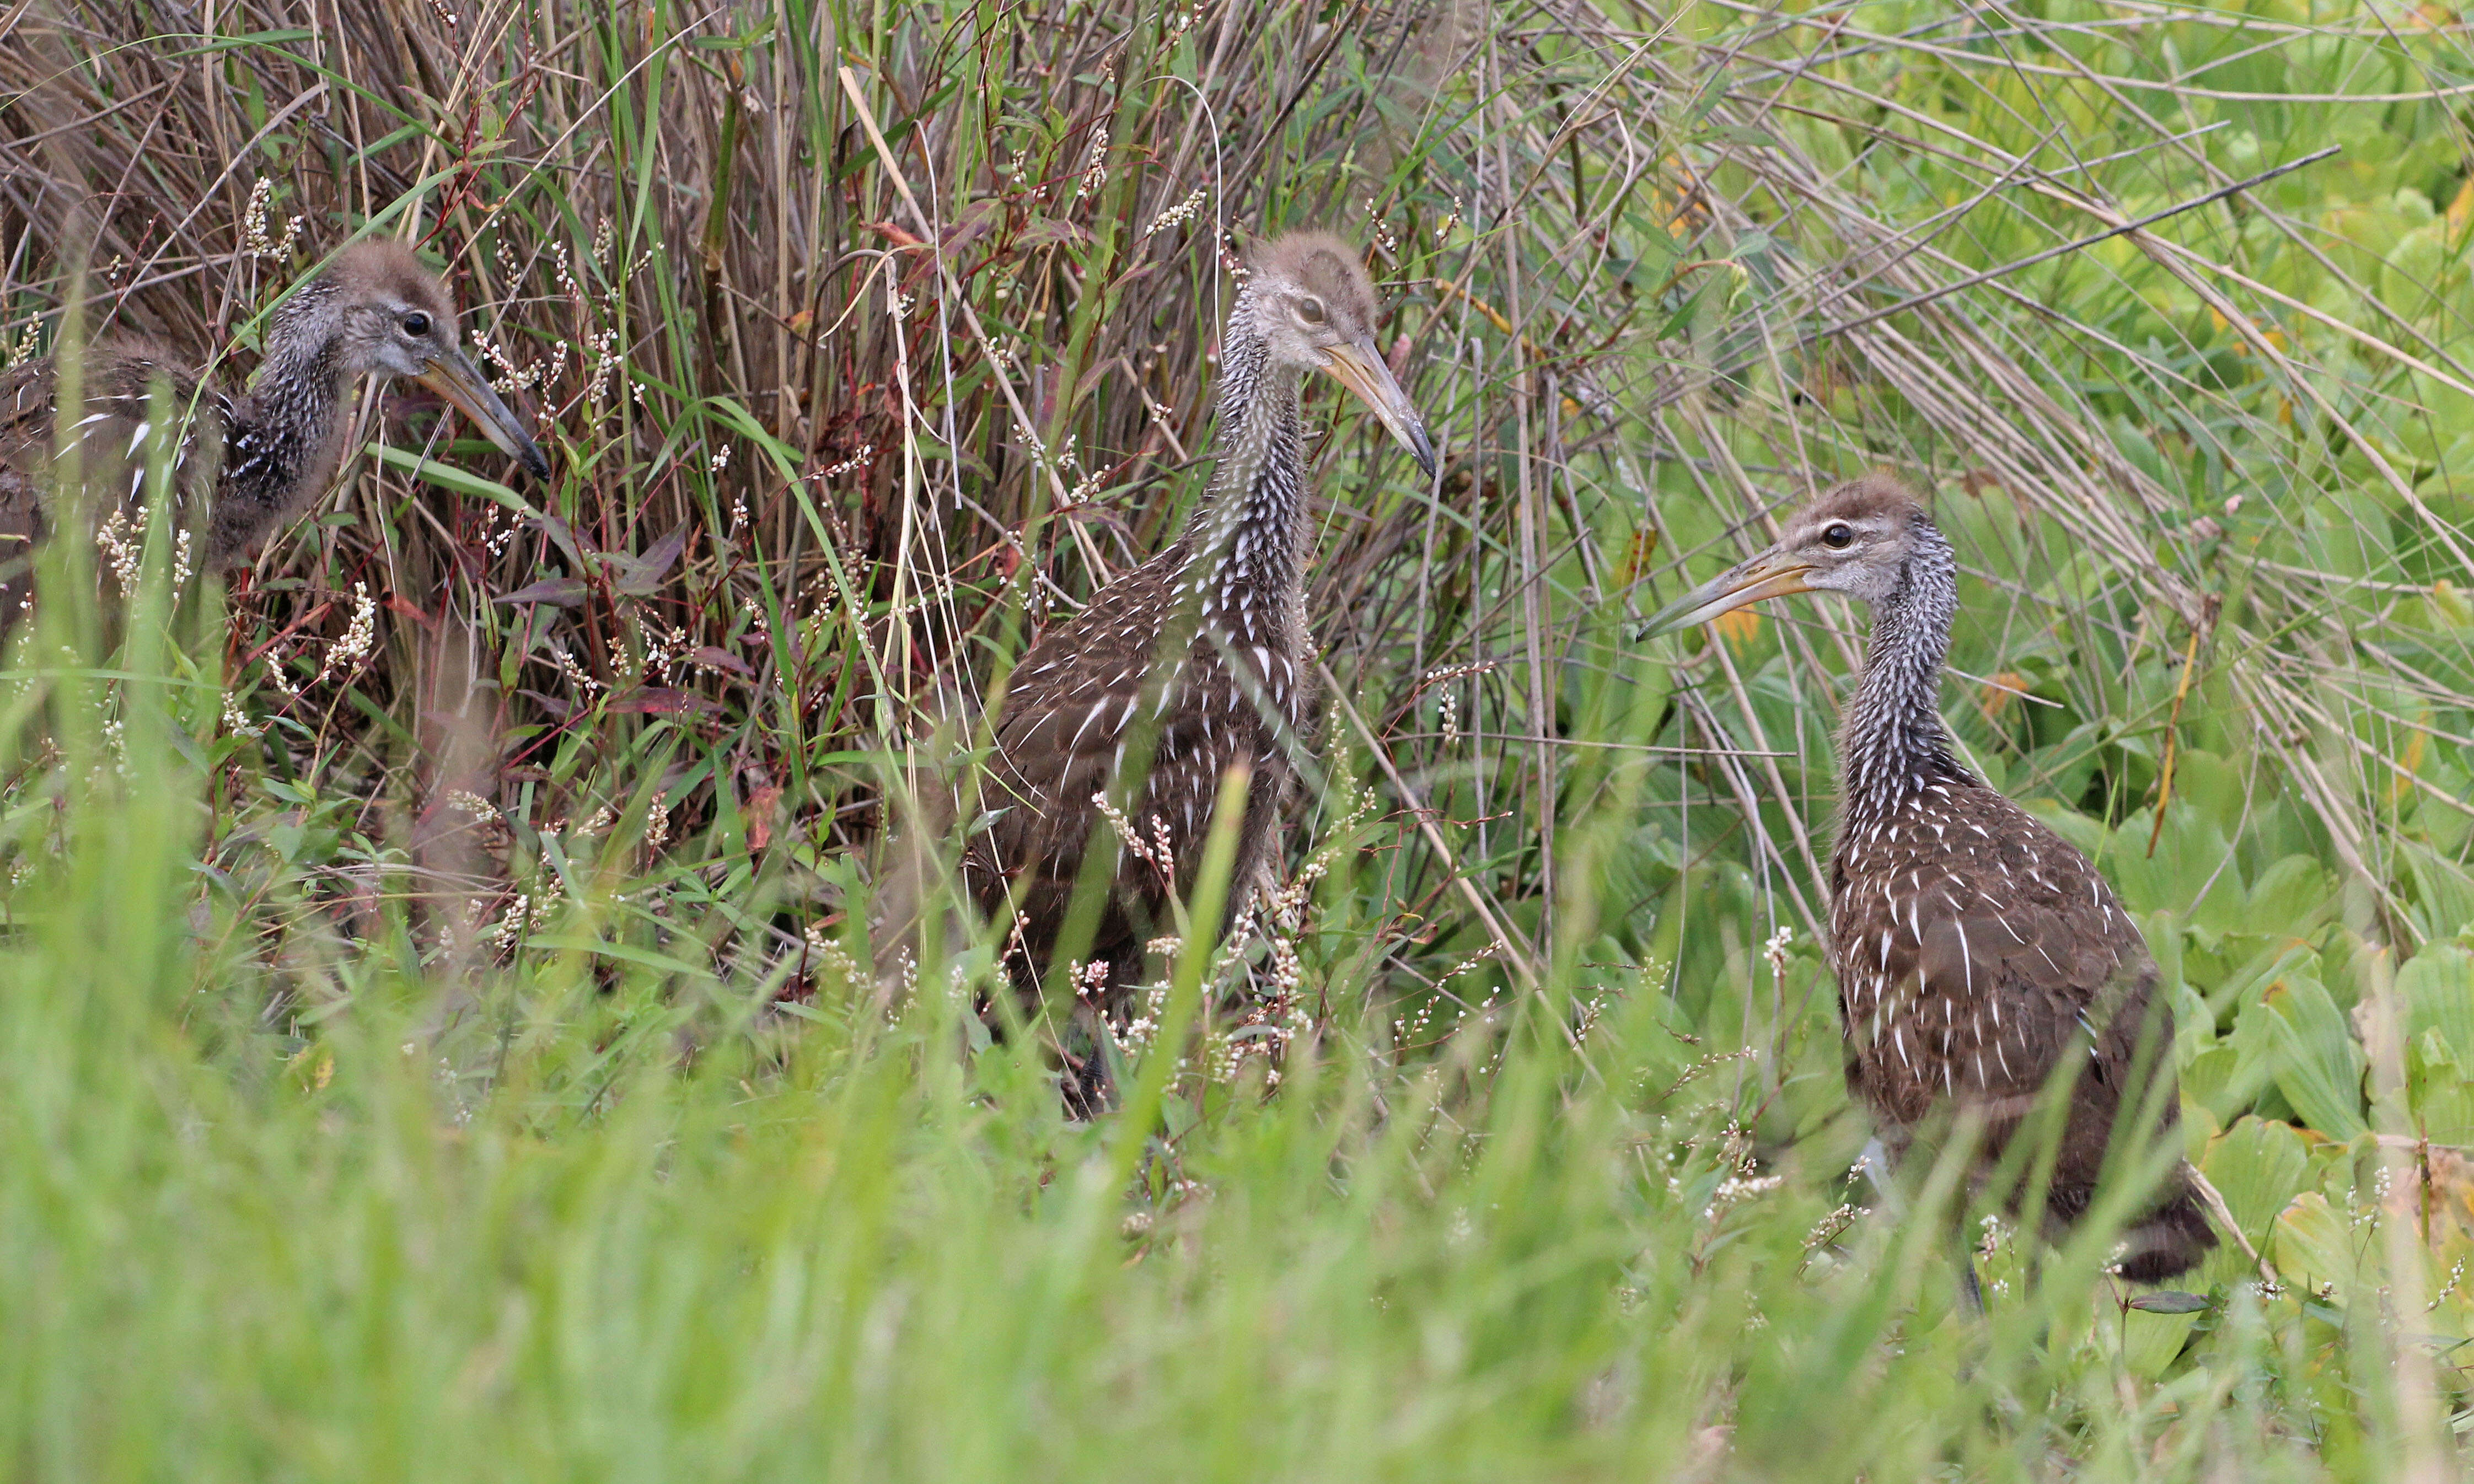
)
(1095, 174)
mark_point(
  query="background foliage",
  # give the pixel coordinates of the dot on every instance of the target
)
(435, 1031)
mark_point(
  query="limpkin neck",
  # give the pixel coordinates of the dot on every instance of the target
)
(286, 430)
(1893, 745)
(1247, 541)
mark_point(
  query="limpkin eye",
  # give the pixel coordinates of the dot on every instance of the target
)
(416, 324)
(1837, 537)
(1310, 309)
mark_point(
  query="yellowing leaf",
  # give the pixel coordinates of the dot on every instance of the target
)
(2450, 600)
(2416, 744)
(314, 1066)
(1738, 628)
(1999, 693)
(1636, 554)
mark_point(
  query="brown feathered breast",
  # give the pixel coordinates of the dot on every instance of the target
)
(1073, 701)
(1976, 953)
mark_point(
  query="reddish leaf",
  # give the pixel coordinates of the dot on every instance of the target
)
(396, 603)
(720, 659)
(1051, 231)
(558, 531)
(641, 577)
(563, 592)
(896, 233)
(761, 804)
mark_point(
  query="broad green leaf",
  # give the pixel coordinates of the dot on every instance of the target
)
(2259, 1166)
(2316, 1244)
(2435, 990)
(2294, 894)
(2445, 889)
(2319, 1064)
(2209, 1081)
(2154, 1333)
(2442, 1097)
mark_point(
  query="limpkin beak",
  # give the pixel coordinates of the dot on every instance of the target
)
(1766, 575)
(1359, 367)
(452, 375)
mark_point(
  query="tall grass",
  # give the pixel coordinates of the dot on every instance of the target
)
(452, 1056)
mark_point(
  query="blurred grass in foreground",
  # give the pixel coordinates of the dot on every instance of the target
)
(822, 1254)
(577, 1218)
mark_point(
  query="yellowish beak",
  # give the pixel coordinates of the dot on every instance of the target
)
(1356, 366)
(454, 378)
(1765, 576)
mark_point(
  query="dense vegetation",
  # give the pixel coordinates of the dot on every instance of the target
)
(436, 1035)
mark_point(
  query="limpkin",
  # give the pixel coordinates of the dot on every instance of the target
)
(254, 459)
(1976, 951)
(1209, 637)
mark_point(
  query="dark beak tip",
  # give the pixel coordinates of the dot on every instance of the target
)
(536, 462)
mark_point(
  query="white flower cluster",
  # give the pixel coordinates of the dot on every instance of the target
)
(236, 721)
(867, 452)
(828, 961)
(1383, 235)
(1154, 853)
(255, 240)
(606, 363)
(120, 540)
(1143, 1028)
(1775, 951)
(523, 917)
(512, 378)
(360, 636)
(576, 674)
(1095, 174)
(1179, 213)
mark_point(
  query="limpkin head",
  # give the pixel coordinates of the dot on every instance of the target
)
(380, 312)
(1858, 540)
(1314, 308)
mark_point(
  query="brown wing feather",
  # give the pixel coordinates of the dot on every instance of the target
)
(111, 435)
(1065, 712)
(1985, 949)
(1975, 951)
(25, 427)
(1060, 740)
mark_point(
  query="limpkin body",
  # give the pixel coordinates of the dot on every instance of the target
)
(1976, 951)
(246, 460)
(1208, 640)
